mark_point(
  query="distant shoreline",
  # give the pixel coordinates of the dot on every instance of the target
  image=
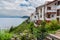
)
(14, 16)
(6, 23)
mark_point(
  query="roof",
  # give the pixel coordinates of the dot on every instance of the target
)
(47, 3)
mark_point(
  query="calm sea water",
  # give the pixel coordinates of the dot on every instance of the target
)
(6, 23)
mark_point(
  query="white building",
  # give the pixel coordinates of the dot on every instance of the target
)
(49, 11)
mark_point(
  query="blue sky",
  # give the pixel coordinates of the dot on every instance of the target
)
(19, 7)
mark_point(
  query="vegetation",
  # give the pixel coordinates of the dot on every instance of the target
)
(52, 26)
(5, 35)
(40, 32)
(24, 26)
(26, 35)
(27, 30)
(11, 29)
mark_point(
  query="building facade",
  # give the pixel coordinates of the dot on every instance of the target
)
(49, 11)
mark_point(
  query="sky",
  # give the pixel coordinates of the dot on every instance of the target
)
(19, 7)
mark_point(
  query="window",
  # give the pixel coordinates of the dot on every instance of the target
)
(58, 19)
(41, 11)
(34, 16)
(58, 2)
(37, 13)
(52, 15)
(48, 8)
(40, 15)
(58, 12)
(55, 3)
(48, 16)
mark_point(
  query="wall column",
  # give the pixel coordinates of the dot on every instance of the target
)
(43, 13)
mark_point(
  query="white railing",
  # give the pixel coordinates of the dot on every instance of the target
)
(53, 37)
(58, 16)
(53, 10)
(58, 7)
(48, 19)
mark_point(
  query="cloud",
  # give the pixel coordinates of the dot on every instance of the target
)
(19, 7)
(37, 3)
(14, 8)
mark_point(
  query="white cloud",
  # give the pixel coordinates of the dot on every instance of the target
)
(0, 8)
(50, 0)
(13, 7)
(37, 3)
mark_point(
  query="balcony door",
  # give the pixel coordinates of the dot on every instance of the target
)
(58, 14)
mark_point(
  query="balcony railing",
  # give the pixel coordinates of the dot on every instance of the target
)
(58, 16)
(53, 10)
(58, 7)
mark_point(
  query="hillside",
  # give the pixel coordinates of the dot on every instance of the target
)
(20, 28)
(50, 27)
(27, 29)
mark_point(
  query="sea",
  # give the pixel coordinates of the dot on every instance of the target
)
(6, 23)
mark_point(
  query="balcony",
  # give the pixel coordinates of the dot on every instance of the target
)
(50, 19)
(58, 16)
(58, 7)
(38, 22)
(53, 10)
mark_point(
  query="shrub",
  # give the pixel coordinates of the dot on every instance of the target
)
(5, 36)
(11, 29)
(40, 32)
(52, 26)
(26, 35)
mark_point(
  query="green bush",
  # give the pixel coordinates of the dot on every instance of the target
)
(40, 31)
(11, 29)
(5, 36)
(26, 35)
(52, 26)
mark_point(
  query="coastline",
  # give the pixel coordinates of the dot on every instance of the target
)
(6, 23)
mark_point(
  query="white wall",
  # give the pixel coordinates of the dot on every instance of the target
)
(32, 18)
(41, 13)
(53, 8)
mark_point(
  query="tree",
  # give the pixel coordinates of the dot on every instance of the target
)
(11, 29)
(43, 31)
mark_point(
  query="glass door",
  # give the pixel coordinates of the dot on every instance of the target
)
(58, 14)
